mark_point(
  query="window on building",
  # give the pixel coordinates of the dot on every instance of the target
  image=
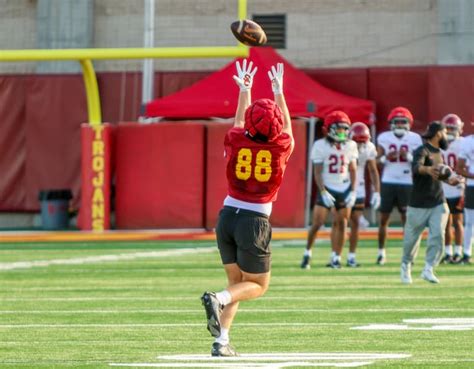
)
(274, 26)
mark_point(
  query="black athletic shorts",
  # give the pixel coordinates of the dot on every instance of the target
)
(456, 205)
(243, 237)
(359, 204)
(339, 196)
(469, 197)
(394, 195)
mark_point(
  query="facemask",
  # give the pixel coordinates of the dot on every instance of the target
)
(399, 132)
(450, 137)
(443, 143)
(341, 136)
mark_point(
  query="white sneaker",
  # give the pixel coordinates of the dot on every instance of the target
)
(405, 273)
(428, 275)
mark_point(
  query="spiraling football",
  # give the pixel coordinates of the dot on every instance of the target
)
(248, 32)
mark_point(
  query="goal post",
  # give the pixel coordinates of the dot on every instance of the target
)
(96, 137)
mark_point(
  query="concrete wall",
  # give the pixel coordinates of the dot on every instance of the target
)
(320, 33)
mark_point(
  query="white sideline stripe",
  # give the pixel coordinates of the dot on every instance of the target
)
(199, 311)
(105, 258)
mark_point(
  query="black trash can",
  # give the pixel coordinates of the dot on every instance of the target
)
(55, 208)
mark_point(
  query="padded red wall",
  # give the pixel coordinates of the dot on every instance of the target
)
(350, 81)
(288, 210)
(159, 175)
(451, 91)
(391, 87)
(12, 143)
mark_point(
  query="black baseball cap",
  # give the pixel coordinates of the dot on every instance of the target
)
(433, 128)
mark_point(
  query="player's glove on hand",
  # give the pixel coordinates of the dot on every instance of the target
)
(276, 76)
(328, 199)
(375, 201)
(350, 199)
(244, 77)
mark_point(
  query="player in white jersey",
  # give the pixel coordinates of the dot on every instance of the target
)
(465, 168)
(360, 133)
(394, 153)
(335, 173)
(454, 194)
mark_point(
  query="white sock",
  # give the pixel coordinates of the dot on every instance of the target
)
(458, 249)
(428, 266)
(448, 250)
(381, 252)
(308, 252)
(336, 257)
(224, 297)
(468, 228)
(351, 256)
(223, 339)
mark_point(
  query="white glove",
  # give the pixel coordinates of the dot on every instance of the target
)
(328, 199)
(409, 157)
(350, 199)
(276, 76)
(375, 201)
(244, 77)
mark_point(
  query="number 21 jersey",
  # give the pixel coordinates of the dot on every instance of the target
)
(255, 169)
(335, 158)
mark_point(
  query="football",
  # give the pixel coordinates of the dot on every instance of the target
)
(444, 172)
(248, 32)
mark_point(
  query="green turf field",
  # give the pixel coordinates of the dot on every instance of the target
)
(97, 305)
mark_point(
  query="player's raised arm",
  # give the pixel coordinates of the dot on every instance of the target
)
(276, 78)
(243, 79)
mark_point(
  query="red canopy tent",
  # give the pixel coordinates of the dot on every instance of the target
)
(216, 95)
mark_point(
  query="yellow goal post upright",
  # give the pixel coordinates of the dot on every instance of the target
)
(95, 140)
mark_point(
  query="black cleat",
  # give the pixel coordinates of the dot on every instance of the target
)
(448, 259)
(456, 259)
(466, 260)
(306, 263)
(352, 263)
(222, 350)
(334, 264)
(380, 260)
(213, 313)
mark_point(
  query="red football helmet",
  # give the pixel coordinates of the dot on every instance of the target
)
(263, 120)
(454, 126)
(359, 132)
(400, 120)
(334, 122)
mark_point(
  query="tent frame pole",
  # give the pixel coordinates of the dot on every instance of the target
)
(309, 171)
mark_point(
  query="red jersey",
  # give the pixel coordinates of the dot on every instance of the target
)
(255, 169)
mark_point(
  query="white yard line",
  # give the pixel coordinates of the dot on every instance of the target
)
(246, 365)
(423, 324)
(262, 310)
(193, 298)
(268, 361)
(105, 258)
(166, 325)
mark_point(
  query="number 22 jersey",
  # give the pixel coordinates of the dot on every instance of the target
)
(398, 170)
(255, 169)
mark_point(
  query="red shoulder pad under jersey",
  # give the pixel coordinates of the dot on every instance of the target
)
(255, 169)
